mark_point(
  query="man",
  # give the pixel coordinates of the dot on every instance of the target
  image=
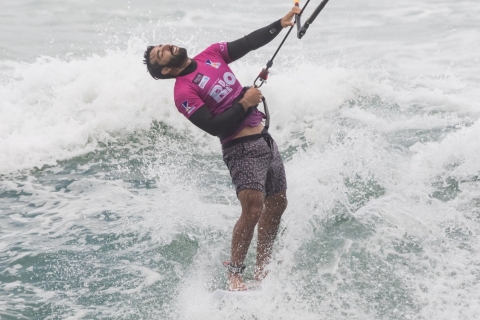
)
(209, 95)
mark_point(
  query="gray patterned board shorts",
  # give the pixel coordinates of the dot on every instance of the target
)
(255, 163)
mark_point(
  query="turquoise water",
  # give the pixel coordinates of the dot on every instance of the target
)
(113, 206)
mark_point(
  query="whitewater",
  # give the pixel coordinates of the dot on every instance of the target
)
(114, 206)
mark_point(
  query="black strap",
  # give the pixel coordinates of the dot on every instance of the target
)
(233, 268)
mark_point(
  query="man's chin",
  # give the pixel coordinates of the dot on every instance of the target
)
(180, 59)
(182, 54)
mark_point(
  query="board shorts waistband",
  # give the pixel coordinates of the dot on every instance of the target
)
(264, 134)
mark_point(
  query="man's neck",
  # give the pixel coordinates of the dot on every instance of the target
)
(190, 67)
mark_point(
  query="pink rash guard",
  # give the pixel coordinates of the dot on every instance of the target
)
(212, 84)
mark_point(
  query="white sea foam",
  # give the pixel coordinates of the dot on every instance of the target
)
(55, 110)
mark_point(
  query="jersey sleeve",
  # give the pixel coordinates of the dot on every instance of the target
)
(187, 102)
(220, 50)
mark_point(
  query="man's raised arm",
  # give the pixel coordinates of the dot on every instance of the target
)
(260, 37)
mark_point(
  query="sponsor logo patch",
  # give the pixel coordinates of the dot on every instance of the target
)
(200, 80)
(203, 82)
(187, 108)
(215, 65)
(197, 78)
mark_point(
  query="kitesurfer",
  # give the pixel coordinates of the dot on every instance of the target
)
(209, 94)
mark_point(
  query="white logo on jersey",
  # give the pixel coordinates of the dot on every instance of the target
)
(222, 88)
(203, 82)
(187, 108)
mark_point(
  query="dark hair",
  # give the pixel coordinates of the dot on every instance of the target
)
(154, 69)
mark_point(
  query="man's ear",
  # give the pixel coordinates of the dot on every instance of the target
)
(166, 71)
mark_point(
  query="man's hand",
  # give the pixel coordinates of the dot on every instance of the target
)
(287, 20)
(252, 97)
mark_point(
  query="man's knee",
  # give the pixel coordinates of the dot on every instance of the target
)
(252, 201)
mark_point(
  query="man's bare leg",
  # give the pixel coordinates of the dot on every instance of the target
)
(268, 225)
(252, 202)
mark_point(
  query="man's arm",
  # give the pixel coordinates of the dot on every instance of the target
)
(224, 122)
(253, 41)
(260, 37)
(221, 123)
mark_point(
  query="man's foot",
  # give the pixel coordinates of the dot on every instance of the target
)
(260, 273)
(253, 285)
(235, 283)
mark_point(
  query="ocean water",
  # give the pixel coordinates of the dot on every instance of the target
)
(113, 206)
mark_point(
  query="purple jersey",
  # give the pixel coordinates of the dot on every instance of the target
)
(212, 84)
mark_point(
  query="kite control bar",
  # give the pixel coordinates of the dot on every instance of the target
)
(301, 30)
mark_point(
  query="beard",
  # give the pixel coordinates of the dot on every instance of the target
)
(178, 60)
